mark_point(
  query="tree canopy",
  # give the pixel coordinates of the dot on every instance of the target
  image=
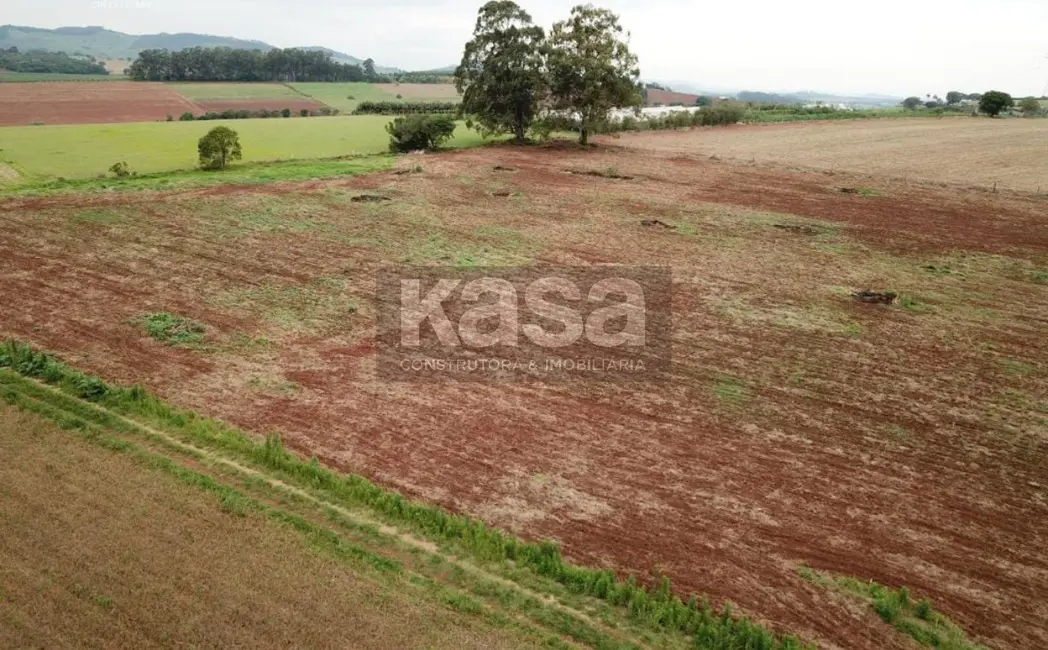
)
(42, 61)
(227, 64)
(591, 68)
(912, 103)
(220, 146)
(501, 74)
(994, 102)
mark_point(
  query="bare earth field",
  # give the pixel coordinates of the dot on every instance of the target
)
(956, 150)
(89, 103)
(902, 444)
(148, 562)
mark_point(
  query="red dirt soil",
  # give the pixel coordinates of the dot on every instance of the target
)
(725, 499)
(89, 102)
(666, 97)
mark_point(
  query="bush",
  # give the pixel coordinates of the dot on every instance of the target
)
(404, 108)
(170, 118)
(286, 112)
(419, 132)
(186, 117)
(120, 170)
(399, 96)
(304, 112)
(220, 146)
(722, 114)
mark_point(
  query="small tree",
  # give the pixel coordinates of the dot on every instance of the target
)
(954, 97)
(500, 76)
(369, 69)
(218, 148)
(1030, 106)
(419, 132)
(911, 103)
(994, 101)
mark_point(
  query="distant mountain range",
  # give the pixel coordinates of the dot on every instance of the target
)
(103, 43)
(798, 97)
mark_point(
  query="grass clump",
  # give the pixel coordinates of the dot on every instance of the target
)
(730, 390)
(916, 619)
(170, 329)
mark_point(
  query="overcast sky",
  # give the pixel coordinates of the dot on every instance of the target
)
(898, 47)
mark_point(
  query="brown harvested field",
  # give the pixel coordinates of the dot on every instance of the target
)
(901, 444)
(656, 96)
(433, 92)
(88, 102)
(295, 105)
(145, 561)
(957, 150)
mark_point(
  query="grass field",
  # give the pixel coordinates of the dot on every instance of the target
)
(901, 444)
(23, 77)
(337, 95)
(961, 150)
(205, 91)
(84, 151)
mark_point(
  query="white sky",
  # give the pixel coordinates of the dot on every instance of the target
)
(898, 47)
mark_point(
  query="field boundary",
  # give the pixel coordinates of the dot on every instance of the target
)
(90, 399)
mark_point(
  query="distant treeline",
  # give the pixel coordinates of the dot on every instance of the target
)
(227, 64)
(41, 61)
(405, 108)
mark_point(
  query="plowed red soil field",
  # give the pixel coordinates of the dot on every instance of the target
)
(88, 103)
(902, 444)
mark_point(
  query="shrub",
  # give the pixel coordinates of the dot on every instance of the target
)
(304, 112)
(286, 112)
(170, 118)
(186, 117)
(220, 146)
(120, 170)
(994, 102)
(722, 114)
(404, 108)
(419, 132)
(399, 96)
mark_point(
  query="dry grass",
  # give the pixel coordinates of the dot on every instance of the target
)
(145, 561)
(968, 151)
(902, 444)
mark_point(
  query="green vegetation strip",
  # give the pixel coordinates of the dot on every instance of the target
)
(915, 619)
(95, 424)
(655, 607)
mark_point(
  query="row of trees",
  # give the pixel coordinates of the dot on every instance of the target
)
(228, 64)
(42, 61)
(991, 103)
(512, 71)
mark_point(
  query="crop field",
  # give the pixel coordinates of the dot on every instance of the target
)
(85, 151)
(86, 103)
(423, 92)
(956, 151)
(247, 96)
(801, 434)
(344, 96)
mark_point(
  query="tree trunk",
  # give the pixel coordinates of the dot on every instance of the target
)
(583, 136)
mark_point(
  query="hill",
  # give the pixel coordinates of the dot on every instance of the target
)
(105, 43)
